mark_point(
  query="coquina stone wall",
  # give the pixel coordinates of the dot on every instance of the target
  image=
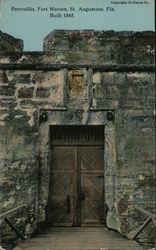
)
(78, 78)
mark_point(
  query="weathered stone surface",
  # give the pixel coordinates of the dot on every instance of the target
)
(3, 78)
(42, 92)
(7, 90)
(9, 43)
(23, 78)
(92, 47)
(97, 47)
(126, 90)
(25, 92)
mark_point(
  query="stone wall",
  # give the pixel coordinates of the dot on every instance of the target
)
(78, 78)
(9, 43)
(101, 47)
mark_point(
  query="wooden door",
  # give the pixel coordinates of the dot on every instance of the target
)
(76, 193)
(91, 164)
(61, 209)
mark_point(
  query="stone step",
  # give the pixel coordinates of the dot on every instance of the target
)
(76, 229)
(54, 246)
(41, 247)
(78, 239)
(106, 244)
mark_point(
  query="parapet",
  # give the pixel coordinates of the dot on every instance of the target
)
(110, 47)
(83, 47)
(9, 43)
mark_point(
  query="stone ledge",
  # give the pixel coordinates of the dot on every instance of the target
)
(55, 66)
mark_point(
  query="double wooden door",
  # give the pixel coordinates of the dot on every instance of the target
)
(76, 193)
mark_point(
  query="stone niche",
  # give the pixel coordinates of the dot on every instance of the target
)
(81, 78)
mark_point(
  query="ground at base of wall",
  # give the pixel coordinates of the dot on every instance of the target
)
(143, 245)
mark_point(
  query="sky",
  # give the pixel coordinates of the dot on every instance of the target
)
(38, 20)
